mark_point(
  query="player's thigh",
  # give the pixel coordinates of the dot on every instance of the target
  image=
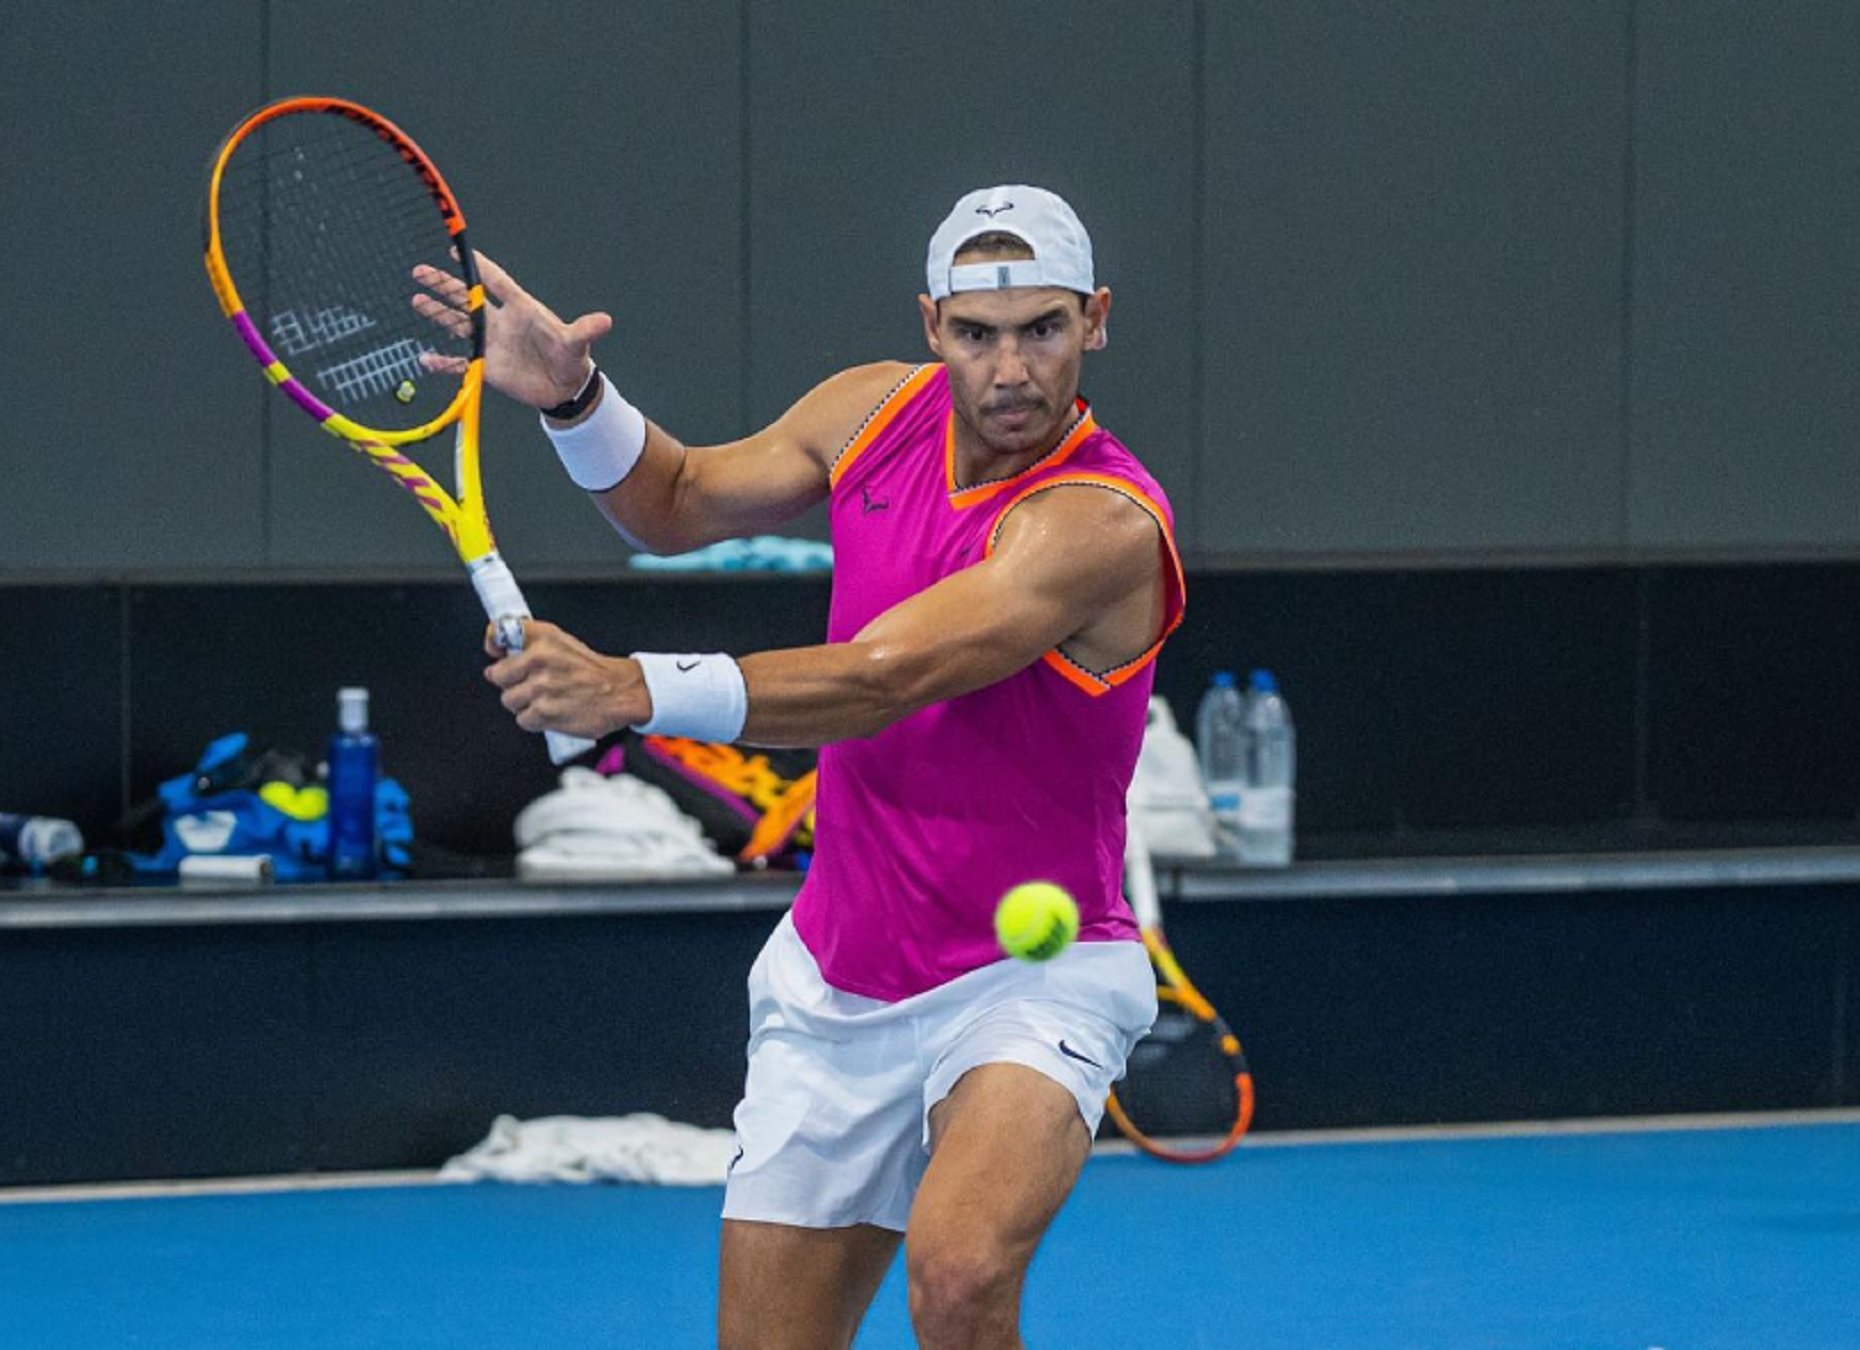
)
(1007, 1145)
(782, 1286)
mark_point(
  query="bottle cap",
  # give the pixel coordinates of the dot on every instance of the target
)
(352, 710)
(1265, 682)
(1224, 679)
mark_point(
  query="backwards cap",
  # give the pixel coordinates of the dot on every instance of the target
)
(1039, 219)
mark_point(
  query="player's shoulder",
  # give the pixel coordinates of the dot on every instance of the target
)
(1114, 512)
(862, 388)
(1085, 501)
(833, 410)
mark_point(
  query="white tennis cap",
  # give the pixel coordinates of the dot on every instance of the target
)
(1039, 219)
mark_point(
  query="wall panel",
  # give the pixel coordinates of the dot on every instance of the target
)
(1414, 277)
(1746, 317)
(63, 709)
(132, 428)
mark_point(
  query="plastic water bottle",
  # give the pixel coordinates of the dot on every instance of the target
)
(37, 840)
(1220, 744)
(354, 765)
(1271, 766)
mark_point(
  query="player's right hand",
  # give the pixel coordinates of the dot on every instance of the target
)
(556, 682)
(530, 353)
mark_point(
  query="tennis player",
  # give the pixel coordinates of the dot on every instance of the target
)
(1005, 573)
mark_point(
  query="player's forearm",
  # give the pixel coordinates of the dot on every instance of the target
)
(635, 471)
(809, 696)
(672, 498)
(652, 508)
(968, 631)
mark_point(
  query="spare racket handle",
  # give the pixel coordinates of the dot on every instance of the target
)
(504, 605)
(1140, 874)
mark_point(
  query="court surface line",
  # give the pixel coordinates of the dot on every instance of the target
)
(1110, 1148)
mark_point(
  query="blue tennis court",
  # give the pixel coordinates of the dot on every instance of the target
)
(1738, 1236)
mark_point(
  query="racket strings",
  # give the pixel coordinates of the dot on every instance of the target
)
(322, 223)
(1179, 1082)
(325, 171)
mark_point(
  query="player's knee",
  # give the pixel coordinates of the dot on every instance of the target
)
(958, 1286)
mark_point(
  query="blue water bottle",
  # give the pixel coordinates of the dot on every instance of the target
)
(354, 765)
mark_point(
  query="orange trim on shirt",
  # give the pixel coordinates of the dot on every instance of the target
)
(882, 417)
(963, 498)
(1092, 682)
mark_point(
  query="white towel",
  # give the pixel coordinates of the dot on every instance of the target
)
(595, 828)
(638, 1147)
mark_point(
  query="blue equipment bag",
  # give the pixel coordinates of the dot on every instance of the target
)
(236, 804)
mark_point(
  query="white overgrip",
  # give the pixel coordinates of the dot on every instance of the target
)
(1140, 876)
(506, 608)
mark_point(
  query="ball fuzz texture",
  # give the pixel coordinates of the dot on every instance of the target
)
(1036, 921)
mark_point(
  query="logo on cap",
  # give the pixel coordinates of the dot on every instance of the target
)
(1060, 248)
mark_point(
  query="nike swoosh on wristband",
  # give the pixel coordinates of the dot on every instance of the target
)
(684, 666)
(1070, 1053)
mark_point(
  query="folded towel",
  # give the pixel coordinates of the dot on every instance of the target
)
(595, 828)
(639, 1147)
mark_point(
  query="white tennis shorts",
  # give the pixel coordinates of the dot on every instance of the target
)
(834, 1125)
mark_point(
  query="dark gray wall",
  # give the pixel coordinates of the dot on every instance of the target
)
(1746, 295)
(320, 1045)
(1414, 277)
(1486, 278)
(129, 434)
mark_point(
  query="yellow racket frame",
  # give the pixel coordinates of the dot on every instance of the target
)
(460, 512)
(463, 516)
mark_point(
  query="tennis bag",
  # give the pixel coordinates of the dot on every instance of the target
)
(756, 805)
(238, 804)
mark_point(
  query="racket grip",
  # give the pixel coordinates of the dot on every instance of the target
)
(1140, 875)
(505, 606)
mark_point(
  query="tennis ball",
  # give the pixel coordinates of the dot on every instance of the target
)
(1036, 921)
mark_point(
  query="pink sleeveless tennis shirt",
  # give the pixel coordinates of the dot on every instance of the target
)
(921, 828)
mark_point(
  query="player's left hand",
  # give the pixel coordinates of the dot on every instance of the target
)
(559, 683)
(531, 353)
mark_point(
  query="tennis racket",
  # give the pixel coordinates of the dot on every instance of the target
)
(317, 211)
(1186, 1095)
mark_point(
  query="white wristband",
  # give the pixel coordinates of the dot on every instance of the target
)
(601, 450)
(702, 696)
